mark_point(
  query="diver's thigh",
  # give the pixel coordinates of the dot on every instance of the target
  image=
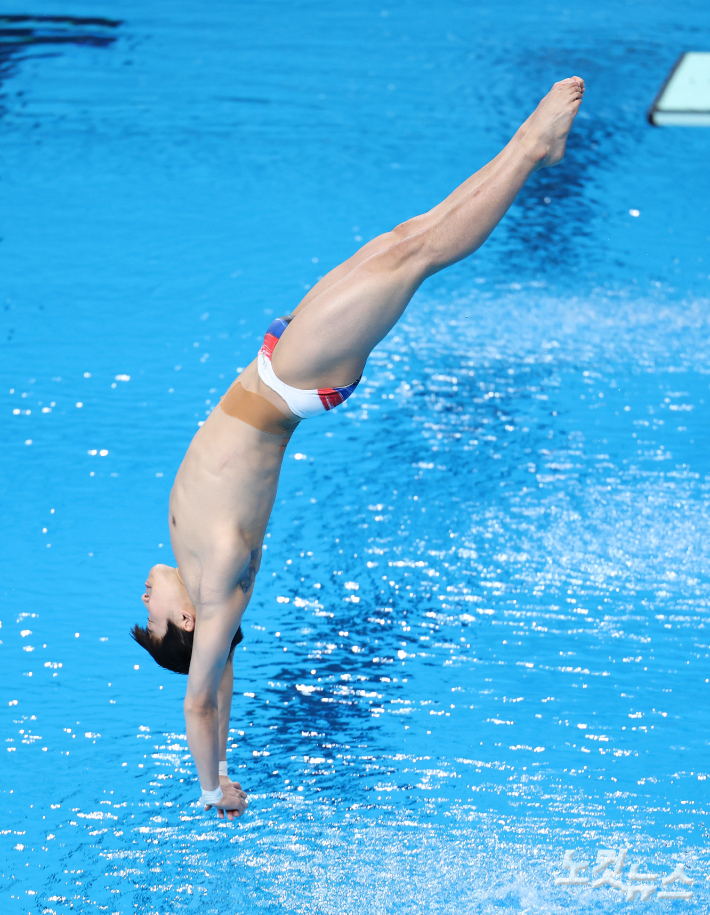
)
(327, 343)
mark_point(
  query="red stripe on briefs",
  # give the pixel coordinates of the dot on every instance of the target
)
(267, 347)
(330, 398)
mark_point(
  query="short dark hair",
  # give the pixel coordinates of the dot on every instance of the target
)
(174, 650)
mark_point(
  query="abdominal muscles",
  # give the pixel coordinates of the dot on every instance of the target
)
(225, 487)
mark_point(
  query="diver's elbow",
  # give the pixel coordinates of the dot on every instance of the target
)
(200, 706)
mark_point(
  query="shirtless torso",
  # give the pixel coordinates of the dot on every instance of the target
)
(223, 495)
(226, 486)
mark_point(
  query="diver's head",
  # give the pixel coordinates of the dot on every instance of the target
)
(170, 630)
(167, 601)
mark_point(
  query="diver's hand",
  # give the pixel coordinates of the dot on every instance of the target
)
(234, 800)
(226, 780)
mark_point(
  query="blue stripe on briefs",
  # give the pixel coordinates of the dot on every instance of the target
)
(277, 327)
(347, 391)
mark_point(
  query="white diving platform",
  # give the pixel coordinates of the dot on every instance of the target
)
(684, 99)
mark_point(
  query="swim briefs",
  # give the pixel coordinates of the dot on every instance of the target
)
(259, 412)
(304, 403)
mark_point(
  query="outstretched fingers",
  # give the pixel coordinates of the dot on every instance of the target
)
(230, 812)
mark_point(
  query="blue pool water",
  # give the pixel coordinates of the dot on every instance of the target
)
(479, 638)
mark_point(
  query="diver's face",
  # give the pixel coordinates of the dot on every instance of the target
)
(166, 599)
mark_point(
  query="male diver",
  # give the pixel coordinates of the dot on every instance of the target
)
(309, 363)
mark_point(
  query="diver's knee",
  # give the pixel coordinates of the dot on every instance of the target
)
(409, 253)
(408, 227)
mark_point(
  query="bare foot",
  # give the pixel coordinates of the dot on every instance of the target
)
(546, 130)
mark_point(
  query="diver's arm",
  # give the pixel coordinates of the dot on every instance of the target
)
(244, 590)
(219, 596)
(209, 657)
(215, 625)
(224, 705)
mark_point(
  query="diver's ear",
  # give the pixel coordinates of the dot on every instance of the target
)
(188, 621)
